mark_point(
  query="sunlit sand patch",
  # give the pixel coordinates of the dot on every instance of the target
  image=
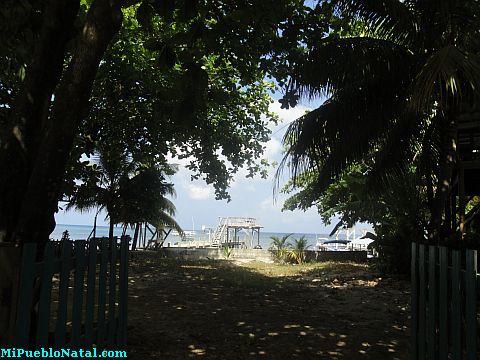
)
(291, 326)
(197, 351)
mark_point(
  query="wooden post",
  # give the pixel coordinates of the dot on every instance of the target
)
(471, 304)
(102, 285)
(25, 295)
(144, 236)
(123, 293)
(422, 306)
(414, 295)
(432, 302)
(443, 305)
(45, 295)
(456, 329)
(90, 306)
(112, 293)
(61, 325)
(78, 290)
(10, 267)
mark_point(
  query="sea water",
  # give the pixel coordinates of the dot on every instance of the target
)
(82, 232)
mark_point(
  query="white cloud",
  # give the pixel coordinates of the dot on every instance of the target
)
(286, 115)
(198, 192)
(273, 148)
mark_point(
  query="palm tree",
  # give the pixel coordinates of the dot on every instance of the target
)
(101, 183)
(279, 247)
(396, 86)
(297, 253)
(144, 200)
(131, 193)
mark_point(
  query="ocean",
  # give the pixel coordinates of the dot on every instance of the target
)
(82, 232)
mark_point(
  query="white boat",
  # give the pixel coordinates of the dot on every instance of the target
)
(337, 245)
(360, 244)
(186, 234)
(319, 246)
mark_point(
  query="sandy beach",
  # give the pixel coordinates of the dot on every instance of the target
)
(222, 310)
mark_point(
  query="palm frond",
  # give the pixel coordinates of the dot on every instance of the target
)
(340, 132)
(448, 75)
(392, 19)
(163, 220)
(349, 63)
(396, 153)
(280, 243)
(142, 198)
(87, 198)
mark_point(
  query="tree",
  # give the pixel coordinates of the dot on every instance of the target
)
(398, 215)
(297, 252)
(46, 110)
(53, 53)
(192, 109)
(130, 192)
(144, 200)
(279, 247)
(398, 74)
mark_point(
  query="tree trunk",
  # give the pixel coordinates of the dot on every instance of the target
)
(110, 230)
(39, 203)
(31, 107)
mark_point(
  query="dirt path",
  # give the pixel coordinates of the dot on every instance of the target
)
(217, 310)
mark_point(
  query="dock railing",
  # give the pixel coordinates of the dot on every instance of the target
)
(242, 221)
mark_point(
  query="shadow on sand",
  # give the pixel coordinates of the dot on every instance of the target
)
(218, 310)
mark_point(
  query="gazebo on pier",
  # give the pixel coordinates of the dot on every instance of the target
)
(226, 233)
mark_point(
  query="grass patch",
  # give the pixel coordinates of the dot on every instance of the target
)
(312, 269)
(257, 276)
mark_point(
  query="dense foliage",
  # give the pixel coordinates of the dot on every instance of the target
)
(401, 79)
(180, 77)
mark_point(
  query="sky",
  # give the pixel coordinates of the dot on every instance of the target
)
(196, 205)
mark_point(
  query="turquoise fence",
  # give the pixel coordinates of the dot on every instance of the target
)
(444, 303)
(77, 295)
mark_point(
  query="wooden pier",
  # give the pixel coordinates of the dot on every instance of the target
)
(226, 233)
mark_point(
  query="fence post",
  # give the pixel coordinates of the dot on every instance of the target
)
(443, 305)
(432, 302)
(456, 329)
(77, 307)
(112, 293)
(45, 296)
(90, 306)
(123, 292)
(25, 295)
(414, 297)
(61, 325)
(102, 284)
(471, 304)
(421, 302)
